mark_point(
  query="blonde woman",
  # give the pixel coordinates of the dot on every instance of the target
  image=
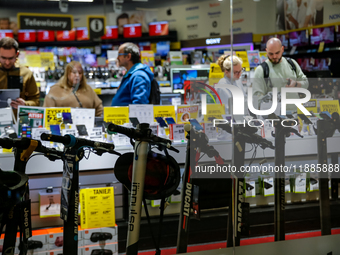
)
(225, 63)
(73, 91)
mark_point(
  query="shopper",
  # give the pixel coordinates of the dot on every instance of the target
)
(73, 91)
(281, 74)
(136, 83)
(12, 75)
(225, 63)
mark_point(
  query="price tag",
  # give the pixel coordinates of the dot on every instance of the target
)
(49, 204)
(154, 129)
(210, 130)
(177, 132)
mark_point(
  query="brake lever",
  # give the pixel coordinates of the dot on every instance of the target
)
(292, 130)
(174, 149)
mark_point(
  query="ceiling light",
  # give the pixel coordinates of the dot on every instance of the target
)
(80, 1)
(140, 0)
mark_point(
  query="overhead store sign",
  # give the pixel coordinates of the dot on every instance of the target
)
(45, 21)
(96, 26)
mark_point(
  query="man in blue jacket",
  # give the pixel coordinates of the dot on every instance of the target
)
(136, 83)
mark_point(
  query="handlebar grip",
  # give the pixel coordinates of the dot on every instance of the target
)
(56, 138)
(108, 146)
(130, 132)
(6, 143)
(158, 139)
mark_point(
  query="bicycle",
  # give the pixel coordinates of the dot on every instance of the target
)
(14, 192)
(74, 151)
(133, 176)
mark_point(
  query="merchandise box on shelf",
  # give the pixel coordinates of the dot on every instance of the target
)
(100, 236)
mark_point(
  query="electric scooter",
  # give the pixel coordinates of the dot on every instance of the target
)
(73, 153)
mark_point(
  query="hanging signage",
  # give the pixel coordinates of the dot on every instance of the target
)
(40, 21)
(96, 26)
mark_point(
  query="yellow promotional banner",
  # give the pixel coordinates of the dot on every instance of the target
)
(97, 208)
(214, 111)
(116, 115)
(53, 116)
(47, 60)
(164, 111)
(263, 56)
(215, 73)
(311, 106)
(148, 58)
(33, 59)
(329, 106)
(186, 112)
(244, 56)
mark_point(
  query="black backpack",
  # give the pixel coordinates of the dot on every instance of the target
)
(155, 93)
(265, 68)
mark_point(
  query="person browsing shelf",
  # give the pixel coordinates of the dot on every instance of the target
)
(73, 91)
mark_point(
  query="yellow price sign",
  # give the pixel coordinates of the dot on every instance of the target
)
(311, 106)
(244, 57)
(51, 116)
(214, 111)
(33, 60)
(164, 111)
(116, 115)
(329, 106)
(215, 73)
(47, 60)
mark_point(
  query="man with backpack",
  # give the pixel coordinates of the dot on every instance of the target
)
(138, 84)
(278, 71)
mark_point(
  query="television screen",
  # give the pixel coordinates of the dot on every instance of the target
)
(322, 34)
(66, 35)
(26, 35)
(6, 33)
(298, 38)
(179, 75)
(132, 30)
(338, 34)
(163, 48)
(168, 99)
(158, 28)
(111, 33)
(45, 36)
(82, 34)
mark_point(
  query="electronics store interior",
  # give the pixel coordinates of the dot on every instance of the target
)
(135, 125)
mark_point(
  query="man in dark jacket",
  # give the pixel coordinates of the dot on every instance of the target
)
(136, 83)
(13, 76)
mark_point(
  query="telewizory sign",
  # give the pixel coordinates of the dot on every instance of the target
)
(39, 21)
